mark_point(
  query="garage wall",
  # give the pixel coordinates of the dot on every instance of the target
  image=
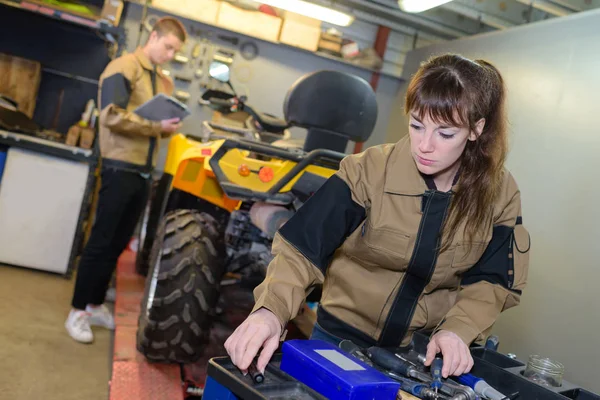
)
(552, 72)
(267, 78)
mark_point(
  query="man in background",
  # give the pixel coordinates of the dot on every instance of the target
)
(128, 146)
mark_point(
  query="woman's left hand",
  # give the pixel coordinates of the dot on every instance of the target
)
(457, 357)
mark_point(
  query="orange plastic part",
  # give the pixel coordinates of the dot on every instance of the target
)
(244, 170)
(192, 178)
(266, 174)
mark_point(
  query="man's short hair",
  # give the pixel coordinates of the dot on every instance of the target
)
(166, 25)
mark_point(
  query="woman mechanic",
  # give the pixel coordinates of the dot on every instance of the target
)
(423, 234)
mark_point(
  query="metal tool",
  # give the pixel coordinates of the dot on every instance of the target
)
(482, 388)
(457, 391)
(256, 375)
(181, 59)
(421, 358)
(389, 361)
(418, 389)
(436, 374)
(184, 78)
(249, 50)
(400, 356)
(229, 39)
(449, 387)
(492, 343)
(182, 95)
(196, 50)
(351, 348)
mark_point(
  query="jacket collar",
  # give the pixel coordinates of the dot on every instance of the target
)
(401, 173)
(144, 61)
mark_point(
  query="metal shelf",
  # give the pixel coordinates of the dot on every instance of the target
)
(63, 16)
(315, 54)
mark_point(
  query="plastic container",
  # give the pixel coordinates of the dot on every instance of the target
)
(337, 375)
(495, 358)
(2, 162)
(544, 371)
(277, 384)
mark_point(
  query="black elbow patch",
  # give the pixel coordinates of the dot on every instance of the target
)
(323, 223)
(116, 89)
(497, 262)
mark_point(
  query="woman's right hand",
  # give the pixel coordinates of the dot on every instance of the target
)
(260, 329)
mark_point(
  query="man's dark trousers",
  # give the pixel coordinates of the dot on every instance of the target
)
(122, 198)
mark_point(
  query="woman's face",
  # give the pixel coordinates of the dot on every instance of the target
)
(437, 147)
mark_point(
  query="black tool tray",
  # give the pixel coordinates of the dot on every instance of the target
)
(506, 375)
(499, 370)
(277, 384)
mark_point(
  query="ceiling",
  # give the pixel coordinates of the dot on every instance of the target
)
(465, 17)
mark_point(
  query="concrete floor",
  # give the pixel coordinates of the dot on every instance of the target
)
(38, 359)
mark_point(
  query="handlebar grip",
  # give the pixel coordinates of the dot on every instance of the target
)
(220, 102)
(388, 360)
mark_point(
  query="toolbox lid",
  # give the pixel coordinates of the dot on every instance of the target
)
(334, 373)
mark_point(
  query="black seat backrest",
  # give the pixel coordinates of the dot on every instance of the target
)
(334, 107)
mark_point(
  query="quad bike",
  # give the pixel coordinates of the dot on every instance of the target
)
(220, 203)
(242, 122)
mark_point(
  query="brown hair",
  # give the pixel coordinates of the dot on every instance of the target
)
(453, 89)
(166, 25)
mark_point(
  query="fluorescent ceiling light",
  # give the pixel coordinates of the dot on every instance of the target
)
(311, 10)
(416, 6)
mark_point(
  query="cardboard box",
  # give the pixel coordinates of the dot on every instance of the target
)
(112, 11)
(200, 10)
(331, 44)
(87, 138)
(73, 135)
(80, 135)
(251, 23)
(300, 31)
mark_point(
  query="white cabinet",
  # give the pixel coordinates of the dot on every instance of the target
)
(40, 203)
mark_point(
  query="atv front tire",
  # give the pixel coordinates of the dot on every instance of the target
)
(182, 288)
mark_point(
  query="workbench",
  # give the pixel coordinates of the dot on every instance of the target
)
(45, 193)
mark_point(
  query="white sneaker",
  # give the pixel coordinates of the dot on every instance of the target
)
(78, 326)
(111, 295)
(101, 316)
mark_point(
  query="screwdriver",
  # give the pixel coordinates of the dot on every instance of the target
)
(481, 387)
(386, 359)
(352, 349)
(436, 373)
(256, 375)
(415, 388)
(458, 392)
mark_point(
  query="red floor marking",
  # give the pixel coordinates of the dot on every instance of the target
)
(133, 377)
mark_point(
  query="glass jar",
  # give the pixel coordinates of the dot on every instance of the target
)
(544, 371)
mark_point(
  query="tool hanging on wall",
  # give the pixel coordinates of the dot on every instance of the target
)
(182, 95)
(181, 59)
(196, 51)
(184, 78)
(249, 50)
(229, 39)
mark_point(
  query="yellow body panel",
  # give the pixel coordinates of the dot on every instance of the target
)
(188, 162)
(236, 157)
